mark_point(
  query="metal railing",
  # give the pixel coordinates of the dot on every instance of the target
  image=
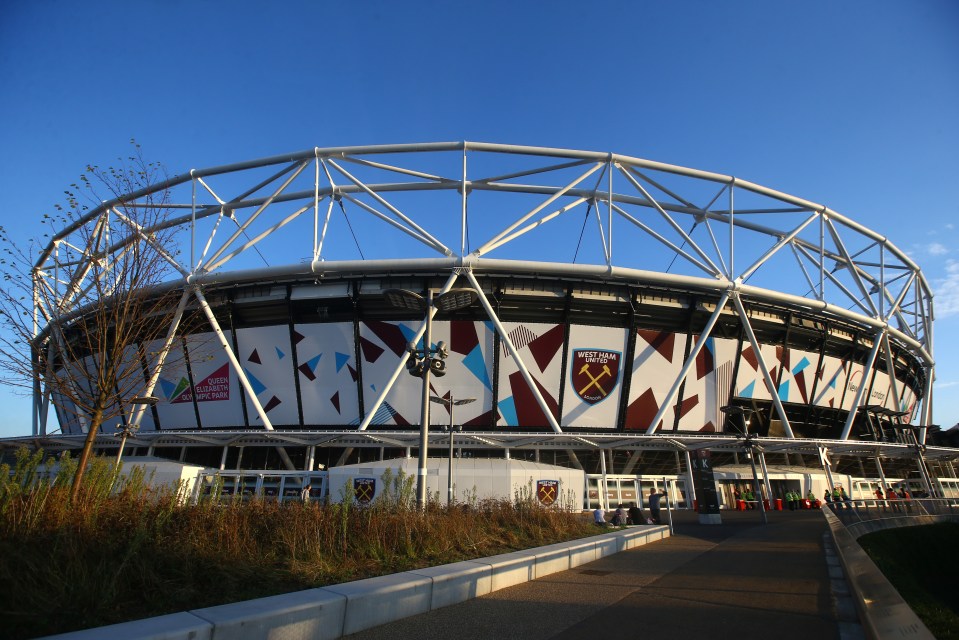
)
(923, 510)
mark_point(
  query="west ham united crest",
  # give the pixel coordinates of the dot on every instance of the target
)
(547, 491)
(364, 489)
(594, 374)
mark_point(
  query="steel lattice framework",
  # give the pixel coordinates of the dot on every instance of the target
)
(468, 208)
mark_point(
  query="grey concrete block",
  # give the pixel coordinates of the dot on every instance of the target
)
(457, 582)
(510, 569)
(606, 546)
(551, 559)
(302, 615)
(174, 626)
(582, 552)
(376, 601)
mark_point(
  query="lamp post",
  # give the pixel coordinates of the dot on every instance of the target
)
(750, 446)
(131, 429)
(449, 404)
(426, 360)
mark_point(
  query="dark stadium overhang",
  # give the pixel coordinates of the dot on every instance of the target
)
(488, 440)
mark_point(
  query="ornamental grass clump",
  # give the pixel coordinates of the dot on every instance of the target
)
(125, 550)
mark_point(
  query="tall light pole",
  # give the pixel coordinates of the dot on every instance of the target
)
(750, 446)
(426, 360)
(128, 430)
(449, 404)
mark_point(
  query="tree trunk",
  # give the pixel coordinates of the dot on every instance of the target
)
(95, 421)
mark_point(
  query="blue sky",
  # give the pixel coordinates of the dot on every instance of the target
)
(851, 104)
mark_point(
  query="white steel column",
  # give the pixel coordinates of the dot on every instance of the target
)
(604, 489)
(514, 353)
(762, 465)
(773, 391)
(857, 400)
(691, 489)
(371, 411)
(690, 361)
(240, 375)
(161, 357)
(882, 477)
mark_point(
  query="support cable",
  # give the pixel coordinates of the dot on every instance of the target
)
(583, 230)
(350, 226)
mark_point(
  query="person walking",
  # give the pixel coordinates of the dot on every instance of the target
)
(305, 493)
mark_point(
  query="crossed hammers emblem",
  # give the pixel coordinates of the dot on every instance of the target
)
(594, 380)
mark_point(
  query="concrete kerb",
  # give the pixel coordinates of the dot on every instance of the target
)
(337, 610)
(883, 613)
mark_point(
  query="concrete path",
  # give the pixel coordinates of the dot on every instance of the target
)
(739, 580)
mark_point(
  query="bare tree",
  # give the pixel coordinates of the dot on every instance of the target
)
(81, 310)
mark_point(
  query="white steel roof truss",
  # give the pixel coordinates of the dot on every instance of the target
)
(538, 223)
(257, 238)
(850, 264)
(395, 223)
(783, 241)
(833, 279)
(702, 254)
(495, 240)
(242, 227)
(669, 243)
(439, 246)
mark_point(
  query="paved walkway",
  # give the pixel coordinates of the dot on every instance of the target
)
(739, 580)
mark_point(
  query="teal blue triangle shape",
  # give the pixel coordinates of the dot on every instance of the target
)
(279, 354)
(749, 390)
(477, 366)
(258, 387)
(341, 359)
(784, 391)
(312, 363)
(507, 409)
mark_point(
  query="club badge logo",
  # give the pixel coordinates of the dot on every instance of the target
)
(364, 489)
(594, 374)
(547, 491)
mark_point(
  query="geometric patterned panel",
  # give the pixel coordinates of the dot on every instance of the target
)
(540, 347)
(326, 366)
(264, 355)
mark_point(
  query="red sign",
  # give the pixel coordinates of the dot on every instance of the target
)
(594, 374)
(547, 491)
(215, 386)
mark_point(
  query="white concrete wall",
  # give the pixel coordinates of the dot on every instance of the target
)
(472, 477)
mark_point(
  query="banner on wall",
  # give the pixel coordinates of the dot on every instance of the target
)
(214, 387)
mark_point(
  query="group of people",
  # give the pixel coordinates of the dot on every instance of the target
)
(795, 499)
(633, 515)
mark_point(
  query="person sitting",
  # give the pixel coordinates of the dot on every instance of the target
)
(599, 517)
(636, 515)
(619, 517)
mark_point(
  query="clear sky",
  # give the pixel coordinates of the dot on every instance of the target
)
(852, 104)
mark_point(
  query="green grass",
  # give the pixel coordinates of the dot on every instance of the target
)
(126, 552)
(922, 563)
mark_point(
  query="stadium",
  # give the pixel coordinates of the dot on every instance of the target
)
(587, 311)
